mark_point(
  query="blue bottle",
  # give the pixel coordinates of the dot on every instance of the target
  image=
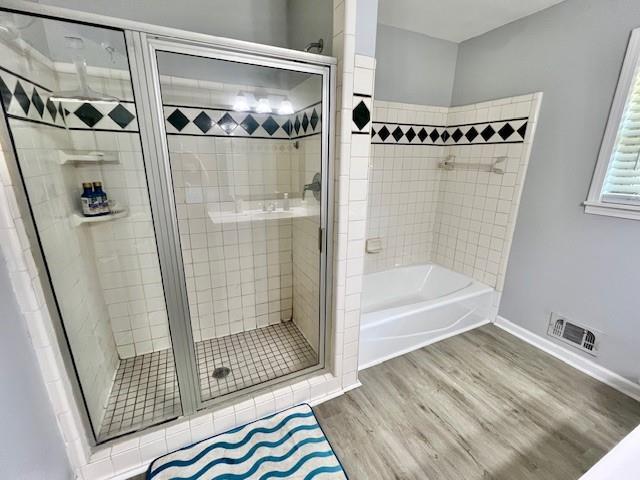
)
(87, 200)
(100, 198)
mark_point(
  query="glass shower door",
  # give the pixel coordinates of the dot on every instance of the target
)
(66, 91)
(244, 146)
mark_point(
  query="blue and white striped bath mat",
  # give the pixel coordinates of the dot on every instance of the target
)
(289, 444)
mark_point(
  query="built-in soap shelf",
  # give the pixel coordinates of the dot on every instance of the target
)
(78, 219)
(373, 245)
(257, 215)
(83, 157)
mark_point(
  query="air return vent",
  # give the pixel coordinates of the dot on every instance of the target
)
(575, 335)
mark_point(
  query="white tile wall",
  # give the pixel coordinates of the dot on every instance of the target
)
(477, 211)
(124, 250)
(70, 256)
(461, 219)
(403, 190)
(306, 256)
(351, 175)
(239, 274)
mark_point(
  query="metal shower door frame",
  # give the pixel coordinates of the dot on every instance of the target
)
(142, 50)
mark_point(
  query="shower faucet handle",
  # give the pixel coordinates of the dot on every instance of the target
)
(315, 186)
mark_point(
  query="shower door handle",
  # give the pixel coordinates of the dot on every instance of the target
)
(320, 231)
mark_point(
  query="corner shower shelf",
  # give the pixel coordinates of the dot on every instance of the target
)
(79, 219)
(76, 157)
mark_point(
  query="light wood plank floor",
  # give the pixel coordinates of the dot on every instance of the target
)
(482, 405)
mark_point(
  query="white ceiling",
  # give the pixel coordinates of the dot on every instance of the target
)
(456, 20)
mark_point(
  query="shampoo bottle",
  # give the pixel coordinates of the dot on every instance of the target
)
(87, 200)
(102, 203)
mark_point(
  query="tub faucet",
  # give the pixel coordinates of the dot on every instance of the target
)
(315, 186)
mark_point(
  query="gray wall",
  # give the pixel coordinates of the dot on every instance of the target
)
(283, 23)
(30, 444)
(414, 68)
(584, 266)
(366, 27)
(309, 20)
(263, 21)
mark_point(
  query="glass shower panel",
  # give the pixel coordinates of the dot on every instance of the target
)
(245, 154)
(66, 91)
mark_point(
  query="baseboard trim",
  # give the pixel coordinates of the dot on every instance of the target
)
(578, 362)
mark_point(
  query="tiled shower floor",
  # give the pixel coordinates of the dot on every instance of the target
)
(145, 390)
(254, 357)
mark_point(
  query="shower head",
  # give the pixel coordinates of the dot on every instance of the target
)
(319, 46)
(84, 93)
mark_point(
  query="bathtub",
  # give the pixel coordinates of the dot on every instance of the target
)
(406, 308)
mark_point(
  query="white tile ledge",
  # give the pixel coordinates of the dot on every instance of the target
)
(131, 456)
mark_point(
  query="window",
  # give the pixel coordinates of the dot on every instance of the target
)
(615, 189)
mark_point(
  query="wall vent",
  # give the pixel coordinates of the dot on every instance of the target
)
(575, 335)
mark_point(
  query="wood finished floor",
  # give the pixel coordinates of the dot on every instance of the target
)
(481, 405)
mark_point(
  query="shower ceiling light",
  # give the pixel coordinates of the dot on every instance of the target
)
(264, 106)
(241, 103)
(285, 108)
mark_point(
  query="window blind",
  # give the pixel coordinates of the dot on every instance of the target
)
(622, 182)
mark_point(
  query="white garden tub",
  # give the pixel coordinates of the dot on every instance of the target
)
(406, 308)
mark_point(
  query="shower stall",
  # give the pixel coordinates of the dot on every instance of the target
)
(180, 207)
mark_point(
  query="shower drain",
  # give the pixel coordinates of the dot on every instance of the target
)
(221, 372)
